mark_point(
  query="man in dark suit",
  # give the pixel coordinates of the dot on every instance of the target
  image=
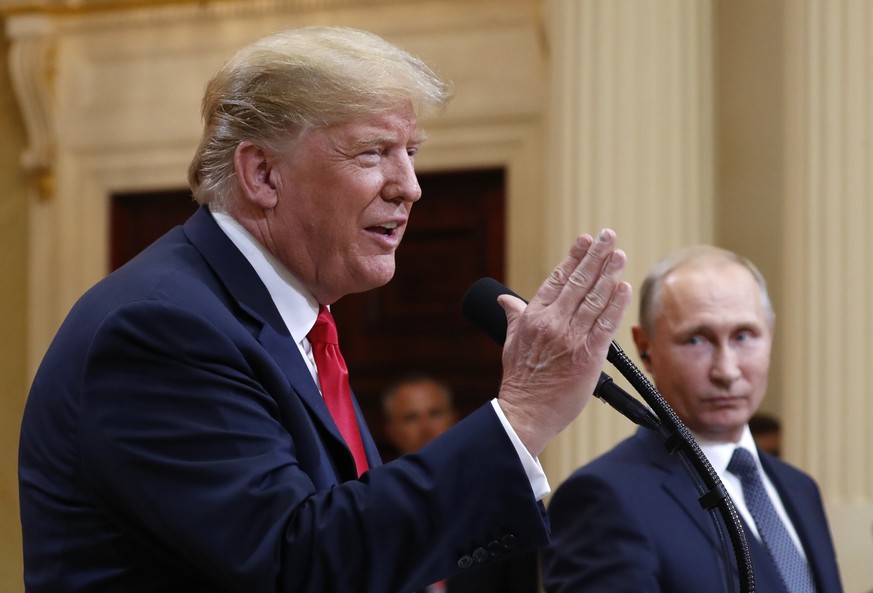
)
(185, 432)
(630, 521)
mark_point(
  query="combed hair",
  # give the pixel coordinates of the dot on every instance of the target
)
(276, 88)
(650, 292)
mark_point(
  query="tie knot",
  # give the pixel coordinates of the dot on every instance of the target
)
(324, 330)
(742, 463)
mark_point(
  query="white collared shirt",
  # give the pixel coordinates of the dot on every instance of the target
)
(299, 309)
(296, 306)
(719, 456)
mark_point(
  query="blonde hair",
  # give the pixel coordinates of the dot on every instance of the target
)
(277, 87)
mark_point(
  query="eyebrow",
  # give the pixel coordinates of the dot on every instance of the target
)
(701, 328)
(379, 140)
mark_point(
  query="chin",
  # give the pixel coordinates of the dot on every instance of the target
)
(379, 272)
(371, 279)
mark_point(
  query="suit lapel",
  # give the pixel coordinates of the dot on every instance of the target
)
(284, 351)
(233, 269)
(677, 482)
(678, 485)
(254, 302)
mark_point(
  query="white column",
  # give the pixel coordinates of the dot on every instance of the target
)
(828, 266)
(630, 148)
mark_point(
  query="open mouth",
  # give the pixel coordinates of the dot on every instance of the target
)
(386, 229)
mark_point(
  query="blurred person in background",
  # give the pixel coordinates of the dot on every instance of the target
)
(767, 432)
(418, 408)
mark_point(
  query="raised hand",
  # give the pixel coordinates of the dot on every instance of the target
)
(556, 345)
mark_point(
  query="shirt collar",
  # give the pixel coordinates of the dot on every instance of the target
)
(297, 307)
(719, 453)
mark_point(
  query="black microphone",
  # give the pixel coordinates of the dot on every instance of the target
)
(481, 307)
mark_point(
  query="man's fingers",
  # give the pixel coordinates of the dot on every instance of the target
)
(607, 322)
(551, 289)
(598, 295)
(597, 268)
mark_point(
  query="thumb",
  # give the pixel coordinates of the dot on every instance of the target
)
(513, 307)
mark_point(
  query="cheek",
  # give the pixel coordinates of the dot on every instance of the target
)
(687, 382)
(689, 368)
(756, 366)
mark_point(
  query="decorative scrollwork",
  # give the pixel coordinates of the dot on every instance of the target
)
(32, 70)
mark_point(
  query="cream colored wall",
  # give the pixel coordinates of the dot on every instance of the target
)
(750, 108)
(13, 309)
(630, 148)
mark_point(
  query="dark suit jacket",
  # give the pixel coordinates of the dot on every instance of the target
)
(174, 441)
(630, 522)
(518, 574)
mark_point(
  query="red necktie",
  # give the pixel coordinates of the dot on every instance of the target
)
(334, 378)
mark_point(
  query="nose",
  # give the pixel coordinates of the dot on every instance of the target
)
(432, 427)
(401, 183)
(725, 365)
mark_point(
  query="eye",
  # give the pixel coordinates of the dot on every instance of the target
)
(371, 156)
(695, 340)
(744, 336)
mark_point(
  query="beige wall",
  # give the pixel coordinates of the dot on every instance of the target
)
(13, 309)
(750, 108)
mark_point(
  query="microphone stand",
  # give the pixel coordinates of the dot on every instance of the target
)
(678, 439)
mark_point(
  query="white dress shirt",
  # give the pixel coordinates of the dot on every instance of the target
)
(299, 309)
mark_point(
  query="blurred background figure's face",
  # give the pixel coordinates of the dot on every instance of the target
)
(710, 352)
(769, 442)
(418, 413)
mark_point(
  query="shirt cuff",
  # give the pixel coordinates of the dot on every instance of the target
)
(535, 474)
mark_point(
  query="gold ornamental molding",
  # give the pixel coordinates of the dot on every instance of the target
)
(78, 7)
(34, 27)
(32, 71)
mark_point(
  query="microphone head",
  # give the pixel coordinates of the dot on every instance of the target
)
(481, 307)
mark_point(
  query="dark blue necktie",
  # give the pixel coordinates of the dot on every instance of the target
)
(792, 566)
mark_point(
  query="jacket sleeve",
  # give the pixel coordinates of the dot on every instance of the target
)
(195, 447)
(598, 545)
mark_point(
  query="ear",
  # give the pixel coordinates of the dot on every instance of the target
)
(643, 345)
(256, 175)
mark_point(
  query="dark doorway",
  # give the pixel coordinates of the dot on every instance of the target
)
(138, 219)
(414, 323)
